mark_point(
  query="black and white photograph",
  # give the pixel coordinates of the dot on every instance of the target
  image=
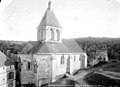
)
(59, 43)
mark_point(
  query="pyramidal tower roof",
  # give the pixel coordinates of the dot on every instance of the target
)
(49, 18)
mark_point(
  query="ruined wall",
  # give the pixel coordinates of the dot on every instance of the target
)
(27, 75)
(44, 70)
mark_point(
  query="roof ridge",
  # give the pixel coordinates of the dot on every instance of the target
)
(46, 16)
(49, 19)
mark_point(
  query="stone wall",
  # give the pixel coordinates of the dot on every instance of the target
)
(76, 62)
(27, 75)
(49, 67)
(44, 70)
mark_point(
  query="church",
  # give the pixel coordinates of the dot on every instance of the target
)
(47, 59)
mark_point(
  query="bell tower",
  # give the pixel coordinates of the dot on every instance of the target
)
(49, 29)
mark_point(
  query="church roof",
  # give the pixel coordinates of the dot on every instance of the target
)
(49, 18)
(50, 48)
(72, 45)
(29, 46)
(67, 46)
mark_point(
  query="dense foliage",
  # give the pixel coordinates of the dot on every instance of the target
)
(14, 46)
(91, 45)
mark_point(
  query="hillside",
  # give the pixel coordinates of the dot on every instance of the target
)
(14, 46)
(106, 75)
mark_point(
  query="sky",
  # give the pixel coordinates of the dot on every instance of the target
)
(19, 19)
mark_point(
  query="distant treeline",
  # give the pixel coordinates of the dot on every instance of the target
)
(14, 46)
(91, 45)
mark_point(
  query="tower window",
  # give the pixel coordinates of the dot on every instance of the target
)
(52, 34)
(41, 34)
(58, 35)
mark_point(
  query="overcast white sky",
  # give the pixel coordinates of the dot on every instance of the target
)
(79, 18)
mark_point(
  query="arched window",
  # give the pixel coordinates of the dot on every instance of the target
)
(62, 59)
(52, 34)
(10, 76)
(80, 57)
(83, 56)
(41, 34)
(35, 68)
(74, 58)
(58, 35)
(28, 65)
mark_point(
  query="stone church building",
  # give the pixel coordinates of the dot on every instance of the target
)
(45, 60)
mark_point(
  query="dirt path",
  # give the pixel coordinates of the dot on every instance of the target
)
(112, 75)
(79, 78)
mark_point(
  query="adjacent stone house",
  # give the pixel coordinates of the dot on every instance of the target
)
(45, 60)
(101, 55)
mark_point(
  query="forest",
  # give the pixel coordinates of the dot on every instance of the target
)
(91, 45)
(13, 46)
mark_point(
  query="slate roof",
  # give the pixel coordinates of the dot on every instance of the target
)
(72, 46)
(49, 19)
(29, 46)
(67, 46)
(4, 60)
(50, 48)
